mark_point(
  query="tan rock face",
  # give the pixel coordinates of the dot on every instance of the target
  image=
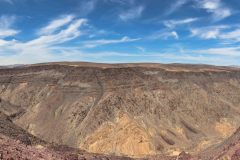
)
(135, 110)
(225, 128)
(124, 136)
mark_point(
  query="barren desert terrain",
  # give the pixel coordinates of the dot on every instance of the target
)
(114, 111)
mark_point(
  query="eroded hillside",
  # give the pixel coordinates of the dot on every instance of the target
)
(126, 109)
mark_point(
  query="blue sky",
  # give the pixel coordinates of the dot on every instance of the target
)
(120, 31)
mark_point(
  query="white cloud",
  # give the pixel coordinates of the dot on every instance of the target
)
(6, 23)
(218, 10)
(7, 32)
(5, 43)
(95, 43)
(72, 31)
(210, 32)
(164, 35)
(174, 35)
(221, 32)
(206, 33)
(36, 54)
(224, 51)
(232, 35)
(215, 56)
(45, 48)
(174, 23)
(210, 4)
(175, 6)
(39, 49)
(56, 24)
(132, 13)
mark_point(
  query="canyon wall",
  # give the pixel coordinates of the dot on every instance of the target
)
(130, 109)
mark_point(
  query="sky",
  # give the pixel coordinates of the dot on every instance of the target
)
(120, 31)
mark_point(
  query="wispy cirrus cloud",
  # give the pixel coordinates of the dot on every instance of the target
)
(41, 48)
(210, 32)
(174, 23)
(215, 56)
(231, 35)
(132, 13)
(47, 46)
(217, 8)
(5, 32)
(221, 32)
(95, 43)
(52, 42)
(164, 35)
(223, 51)
(176, 5)
(56, 24)
(71, 32)
(6, 23)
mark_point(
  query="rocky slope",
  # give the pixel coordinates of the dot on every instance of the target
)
(17, 144)
(136, 110)
(227, 150)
